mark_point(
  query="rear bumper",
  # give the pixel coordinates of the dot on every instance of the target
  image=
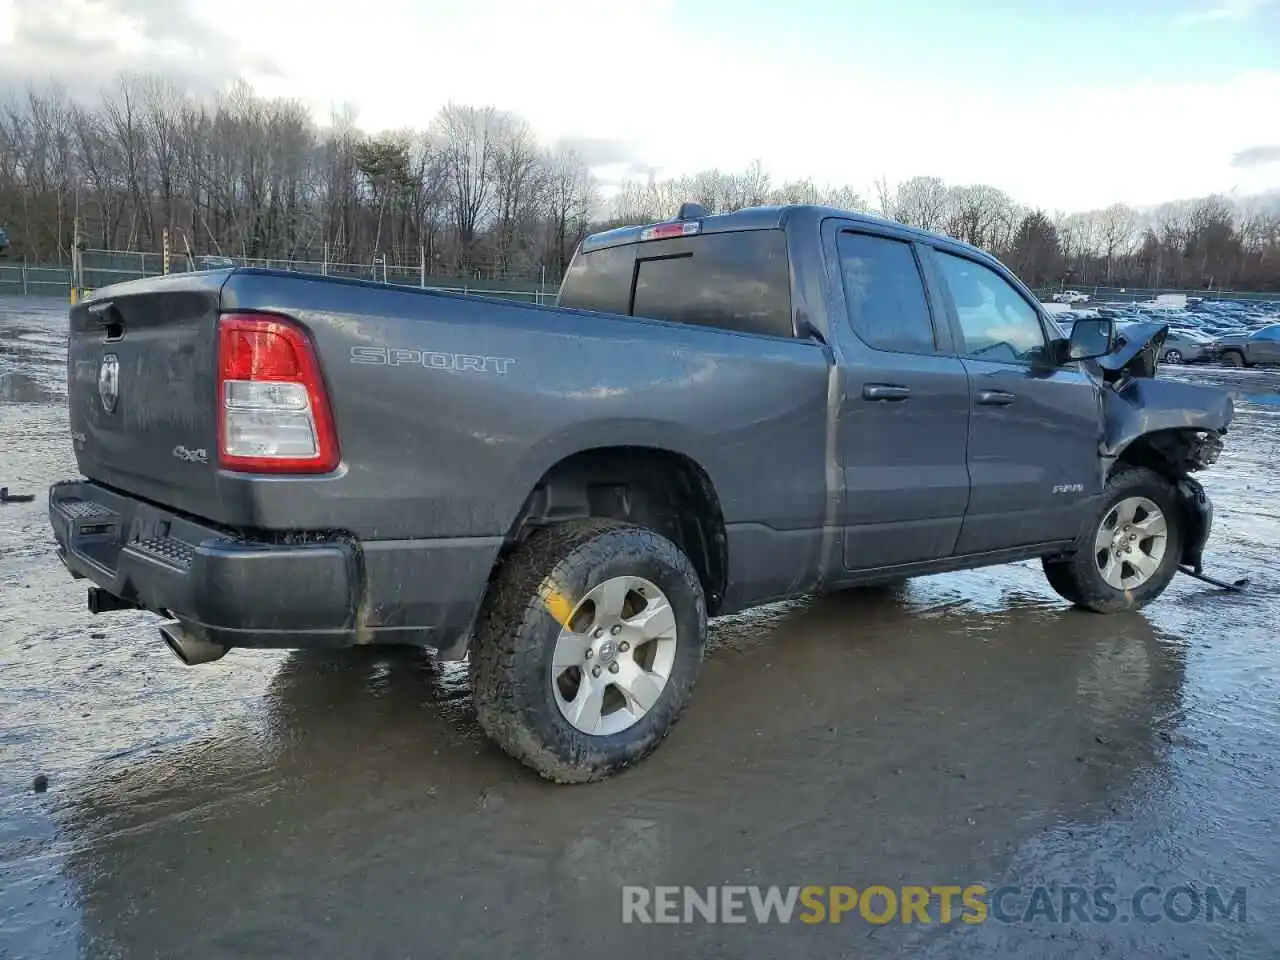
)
(317, 592)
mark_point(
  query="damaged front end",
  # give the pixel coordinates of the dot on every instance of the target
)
(1170, 427)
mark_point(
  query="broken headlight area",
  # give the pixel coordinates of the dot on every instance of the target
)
(1203, 449)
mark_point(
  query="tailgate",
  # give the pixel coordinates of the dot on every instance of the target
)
(141, 385)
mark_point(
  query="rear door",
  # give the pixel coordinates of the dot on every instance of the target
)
(904, 403)
(1035, 432)
(141, 386)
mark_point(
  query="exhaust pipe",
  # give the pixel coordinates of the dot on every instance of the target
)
(187, 647)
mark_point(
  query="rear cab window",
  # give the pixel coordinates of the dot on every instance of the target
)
(738, 281)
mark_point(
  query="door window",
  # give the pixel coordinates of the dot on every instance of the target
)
(997, 323)
(884, 294)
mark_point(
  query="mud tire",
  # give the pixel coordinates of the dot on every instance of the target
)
(515, 638)
(1076, 578)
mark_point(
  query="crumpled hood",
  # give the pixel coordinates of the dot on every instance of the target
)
(1135, 403)
(1136, 352)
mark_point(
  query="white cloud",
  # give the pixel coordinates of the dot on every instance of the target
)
(8, 21)
(83, 44)
(624, 75)
(1231, 10)
(623, 80)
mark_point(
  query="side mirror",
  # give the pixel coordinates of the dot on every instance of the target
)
(1091, 339)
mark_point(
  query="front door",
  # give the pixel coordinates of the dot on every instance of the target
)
(904, 409)
(1035, 433)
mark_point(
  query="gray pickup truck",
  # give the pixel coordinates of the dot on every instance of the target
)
(721, 412)
(1250, 349)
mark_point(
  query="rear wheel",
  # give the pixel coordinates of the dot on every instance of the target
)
(587, 648)
(1173, 356)
(1233, 358)
(1129, 553)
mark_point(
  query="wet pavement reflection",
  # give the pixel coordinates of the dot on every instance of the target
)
(960, 729)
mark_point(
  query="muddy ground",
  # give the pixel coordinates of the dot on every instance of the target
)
(963, 729)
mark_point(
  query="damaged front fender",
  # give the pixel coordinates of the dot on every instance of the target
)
(1183, 422)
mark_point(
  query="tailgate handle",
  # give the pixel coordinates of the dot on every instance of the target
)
(108, 314)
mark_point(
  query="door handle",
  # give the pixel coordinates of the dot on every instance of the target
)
(995, 398)
(885, 391)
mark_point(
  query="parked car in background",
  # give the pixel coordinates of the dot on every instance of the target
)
(1188, 346)
(215, 263)
(1071, 296)
(1247, 350)
(4, 242)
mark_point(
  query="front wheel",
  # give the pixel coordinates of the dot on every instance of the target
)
(1233, 358)
(587, 648)
(1129, 552)
(1173, 356)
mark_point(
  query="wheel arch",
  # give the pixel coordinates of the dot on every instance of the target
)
(1172, 452)
(1169, 454)
(664, 489)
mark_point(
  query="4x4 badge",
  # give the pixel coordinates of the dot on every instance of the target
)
(109, 382)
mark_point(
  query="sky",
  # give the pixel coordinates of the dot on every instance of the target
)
(1064, 105)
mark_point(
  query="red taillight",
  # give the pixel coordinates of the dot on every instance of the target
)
(273, 410)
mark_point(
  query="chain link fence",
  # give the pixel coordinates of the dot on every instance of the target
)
(1143, 294)
(102, 268)
(22, 279)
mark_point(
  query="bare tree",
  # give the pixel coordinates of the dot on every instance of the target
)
(1117, 226)
(162, 110)
(519, 183)
(475, 192)
(1212, 245)
(980, 215)
(918, 202)
(569, 199)
(468, 150)
(124, 120)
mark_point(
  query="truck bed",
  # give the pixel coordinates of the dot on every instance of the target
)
(448, 408)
